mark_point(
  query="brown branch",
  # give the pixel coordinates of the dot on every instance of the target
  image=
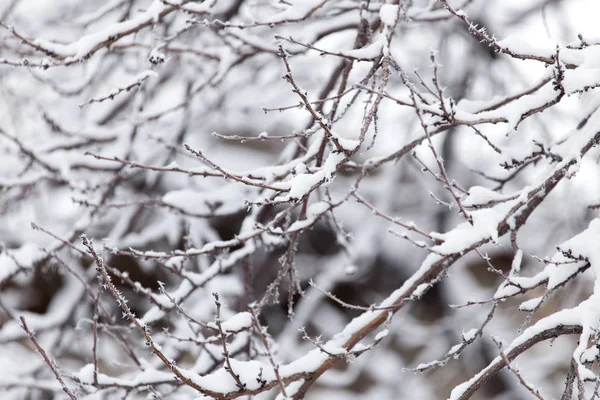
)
(516, 373)
(47, 359)
(500, 362)
(289, 77)
(518, 214)
(262, 332)
(241, 386)
(227, 175)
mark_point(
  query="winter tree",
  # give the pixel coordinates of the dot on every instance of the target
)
(299, 199)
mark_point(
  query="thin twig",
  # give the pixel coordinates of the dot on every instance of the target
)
(51, 363)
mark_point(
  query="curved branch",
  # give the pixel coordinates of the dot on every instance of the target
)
(499, 362)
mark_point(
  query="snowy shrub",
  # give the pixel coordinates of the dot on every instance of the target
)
(299, 199)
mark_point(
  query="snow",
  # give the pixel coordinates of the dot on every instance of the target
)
(382, 334)
(221, 380)
(194, 280)
(508, 290)
(559, 274)
(313, 213)
(318, 208)
(347, 144)
(452, 350)
(485, 226)
(300, 168)
(583, 77)
(88, 43)
(220, 200)
(420, 290)
(23, 257)
(301, 184)
(479, 195)
(236, 323)
(518, 45)
(296, 9)
(531, 304)
(194, 7)
(370, 52)
(565, 317)
(291, 389)
(515, 267)
(590, 355)
(586, 314)
(388, 14)
(470, 335)
(309, 362)
(350, 269)
(147, 376)
(59, 311)
(586, 244)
